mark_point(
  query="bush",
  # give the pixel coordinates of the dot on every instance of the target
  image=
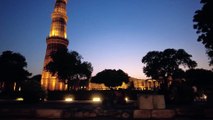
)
(32, 91)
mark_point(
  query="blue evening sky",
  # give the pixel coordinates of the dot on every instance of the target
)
(111, 34)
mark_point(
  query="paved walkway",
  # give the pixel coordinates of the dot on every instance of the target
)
(87, 110)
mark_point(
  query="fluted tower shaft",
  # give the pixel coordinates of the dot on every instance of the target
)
(56, 40)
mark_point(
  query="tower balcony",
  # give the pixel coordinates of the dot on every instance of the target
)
(59, 15)
(57, 40)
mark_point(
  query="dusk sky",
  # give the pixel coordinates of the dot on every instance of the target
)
(111, 34)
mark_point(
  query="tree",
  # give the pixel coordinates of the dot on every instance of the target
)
(36, 78)
(69, 68)
(111, 78)
(12, 70)
(203, 23)
(202, 82)
(166, 65)
(201, 78)
(32, 91)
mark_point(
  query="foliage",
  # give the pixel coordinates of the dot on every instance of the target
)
(131, 86)
(36, 78)
(201, 81)
(166, 63)
(69, 68)
(165, 66)
(200, 78)
(12, 69)
(180, 92)
(32, 91)
(111, 78)
(203, 23)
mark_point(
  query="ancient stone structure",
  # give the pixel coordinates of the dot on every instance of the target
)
(56, 40)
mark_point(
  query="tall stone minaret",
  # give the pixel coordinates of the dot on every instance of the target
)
(57, 39)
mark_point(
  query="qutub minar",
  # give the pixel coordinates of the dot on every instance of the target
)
(56, 40)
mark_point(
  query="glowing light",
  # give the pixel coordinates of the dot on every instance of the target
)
(14, 87)
(20, 99)
(126, 99)
(68, 99)
(65, 35)
(96, 99)
(205, 97)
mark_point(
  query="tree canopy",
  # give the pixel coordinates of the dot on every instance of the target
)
(12, 69)
(69, 68)
(36, 78)
(32, 91)
(167, 67)
(111, 78)
(200, 78)
(203, 23)
(167, 63)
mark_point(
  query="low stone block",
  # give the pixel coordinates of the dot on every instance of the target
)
(24, 112)
(48, 113)
(165, 114)
(88, 114)
(159, 102)
(145, 102)
(92, 114)
(151, 102)
(17, 112)
(79, 115)
(142, 114)
(126, 115)
(69, 114)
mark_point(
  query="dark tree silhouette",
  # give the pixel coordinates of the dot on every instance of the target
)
(111, 78)
(203, 23)
(201, 78)
(166, 65)
(69, 68)
(36, 78)
(12, 70)
(32, 91)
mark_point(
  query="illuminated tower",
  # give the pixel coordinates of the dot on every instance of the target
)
(56, 40)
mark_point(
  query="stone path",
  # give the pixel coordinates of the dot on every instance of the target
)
(85, 111)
